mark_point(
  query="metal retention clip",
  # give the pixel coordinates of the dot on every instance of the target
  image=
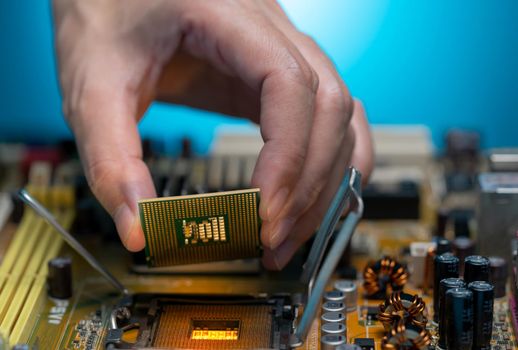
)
(74, 243)
(316, 274)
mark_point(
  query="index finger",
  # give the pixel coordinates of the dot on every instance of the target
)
(269, 63)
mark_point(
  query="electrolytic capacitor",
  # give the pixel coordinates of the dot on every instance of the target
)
(334, 317)
(350, 290)
(443, 216)
(443, 246)
(331, 341)
(483, 298)
(333, 328)
(334, 306)
(498, 275)
(348, 347)
(461, 224)
(334, 295)
(463, 247)
(59, 278)
(476, 268)
(445, 285)
(445, 266)
(459, 319)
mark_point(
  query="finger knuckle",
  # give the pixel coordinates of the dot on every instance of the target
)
(310, 194)
(331, 94)
(289, 162)
(350, 138)
(309, 40)
(293, 159)
(349, 107)
(302, 73)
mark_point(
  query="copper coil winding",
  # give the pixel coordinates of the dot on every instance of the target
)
(408, 337)
(381, 274)
(402, 307)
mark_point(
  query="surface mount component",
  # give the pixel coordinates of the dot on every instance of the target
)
(201, 228)
(365, 343)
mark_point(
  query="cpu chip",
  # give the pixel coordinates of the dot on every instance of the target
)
(201, 228)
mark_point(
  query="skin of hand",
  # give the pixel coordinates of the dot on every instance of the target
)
(242, 58)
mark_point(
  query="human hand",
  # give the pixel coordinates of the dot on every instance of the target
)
(242, 58)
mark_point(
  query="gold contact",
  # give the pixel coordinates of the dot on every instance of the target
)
(210, 230)
(201, 228)
(205, 334)
(190, 326)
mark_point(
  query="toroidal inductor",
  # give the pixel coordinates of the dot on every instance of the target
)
(380, 275)
(408, 337)
(402, 306)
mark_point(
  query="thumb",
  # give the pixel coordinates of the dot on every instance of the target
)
(110, 148)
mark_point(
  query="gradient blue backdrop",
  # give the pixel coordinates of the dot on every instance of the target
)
(440, 63)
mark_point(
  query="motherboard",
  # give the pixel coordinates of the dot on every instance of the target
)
(420, 271)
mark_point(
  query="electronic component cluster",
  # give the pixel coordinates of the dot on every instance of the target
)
(431, 266)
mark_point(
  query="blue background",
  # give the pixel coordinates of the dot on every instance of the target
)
(440, 63)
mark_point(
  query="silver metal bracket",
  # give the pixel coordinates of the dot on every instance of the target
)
(316, 274)
(67, 236)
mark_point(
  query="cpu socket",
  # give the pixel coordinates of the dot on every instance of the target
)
(201, 322)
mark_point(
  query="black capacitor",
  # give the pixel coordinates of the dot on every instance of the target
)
(459, 319)
(461, 223)
(483, 298)
(59, 278)
(498, 275)
(445, 285)
(463, 247)
(443, 246)
(445, 266)
(476, 268)
(443, 216)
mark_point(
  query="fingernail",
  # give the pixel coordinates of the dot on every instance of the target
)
(276, 203)
(280, 232)
(128, 226)
(270, 260)
(279, 264)
(277, 259)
